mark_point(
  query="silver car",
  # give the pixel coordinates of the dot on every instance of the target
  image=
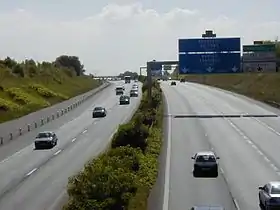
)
(45, 139)
(205, 163)
(269, 195)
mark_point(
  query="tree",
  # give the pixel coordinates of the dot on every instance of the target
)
(133, 75)
(71, 62)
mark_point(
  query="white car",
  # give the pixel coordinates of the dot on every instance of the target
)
(269, 195)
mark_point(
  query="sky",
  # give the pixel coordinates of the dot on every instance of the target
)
(111, 37)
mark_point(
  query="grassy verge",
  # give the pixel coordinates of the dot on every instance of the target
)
(122, 177)
(263, 86)
(27, 87)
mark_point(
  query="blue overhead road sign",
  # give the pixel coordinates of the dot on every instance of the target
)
(209, 63)
(209, 45)
(209, 55)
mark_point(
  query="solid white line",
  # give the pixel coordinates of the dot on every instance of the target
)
(57, 152)
(84, 131)
(236, 204)
(74, 139)
(31, 172)
(167, 165)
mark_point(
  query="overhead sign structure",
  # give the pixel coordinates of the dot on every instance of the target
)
(209, 55)
(156, 69)
(259, 58)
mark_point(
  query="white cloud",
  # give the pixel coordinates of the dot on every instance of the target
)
(120, 37)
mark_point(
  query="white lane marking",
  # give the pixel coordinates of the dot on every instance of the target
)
(17, 153)
(31, 172)
(74, 139)
(85, 131)
(57, 152)
(222, 171)
(236, 204)
(254, 146)
(167, 165)
(267, 126)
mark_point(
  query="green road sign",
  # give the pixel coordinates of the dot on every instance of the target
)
(167, 67)
(259, 48)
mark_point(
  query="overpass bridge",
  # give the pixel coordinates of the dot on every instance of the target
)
(107, 77)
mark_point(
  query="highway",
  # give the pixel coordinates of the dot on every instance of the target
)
(36, 179)
(248, 147)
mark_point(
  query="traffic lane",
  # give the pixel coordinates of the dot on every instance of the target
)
(265, 141)
(15, 168)
(188, 137)
(46, 186)
(11, 126)
(23, 141)
(243, 167)
(245, 106)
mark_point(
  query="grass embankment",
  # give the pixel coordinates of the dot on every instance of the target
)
(260, 86)
(122, 177)
(27, 87)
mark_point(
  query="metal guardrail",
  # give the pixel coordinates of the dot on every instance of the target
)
(30, 126)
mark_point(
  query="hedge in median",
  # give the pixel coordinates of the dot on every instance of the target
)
(123, 176)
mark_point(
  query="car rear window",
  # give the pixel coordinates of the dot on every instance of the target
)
(98, 108)
(275, 189)
(205, 158)
(43, 135)
(119, 88)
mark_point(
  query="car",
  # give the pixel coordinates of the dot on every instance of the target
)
(119, 90)
(124, 100)
(134, 93)
(135, 86)
(173, 83)
(205, 163)
(269, 195)
(182, 80)
(45, 139)
(99, 112)
(207, 208)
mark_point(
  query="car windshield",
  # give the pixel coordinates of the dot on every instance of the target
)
(119, 88)
(98, 108)
(275, 189)
(205, 158)
(43, 135)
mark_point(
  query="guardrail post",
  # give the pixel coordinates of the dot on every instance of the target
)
(68, 108)
(65, 110)
(20, 131)
(28, 127)
(57, 114)
(11, 136)
(1, 140)
(48, 119)
(42, 122)
(52, 116)
(62, 112)
(35, 125)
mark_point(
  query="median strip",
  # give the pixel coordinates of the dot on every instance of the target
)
(124, 175)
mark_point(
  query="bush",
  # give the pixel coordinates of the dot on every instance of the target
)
(106, 183)
(6, 105)
(24, 98)
(45, 92)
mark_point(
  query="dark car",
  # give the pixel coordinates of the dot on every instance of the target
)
(133, 93)
(46, 139)
(207, 208)
(205, 163)
(124, 100)
(269, 195)
(182, 80)
(99, 112)
(173, 83)
(119, 90)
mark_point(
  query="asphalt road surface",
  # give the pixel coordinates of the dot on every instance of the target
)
(36, 179)
(248, 147)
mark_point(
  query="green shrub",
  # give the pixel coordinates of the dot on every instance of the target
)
(132, 134)
(6, 105)
(24, 98)
(45, 92)
(106, 183)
